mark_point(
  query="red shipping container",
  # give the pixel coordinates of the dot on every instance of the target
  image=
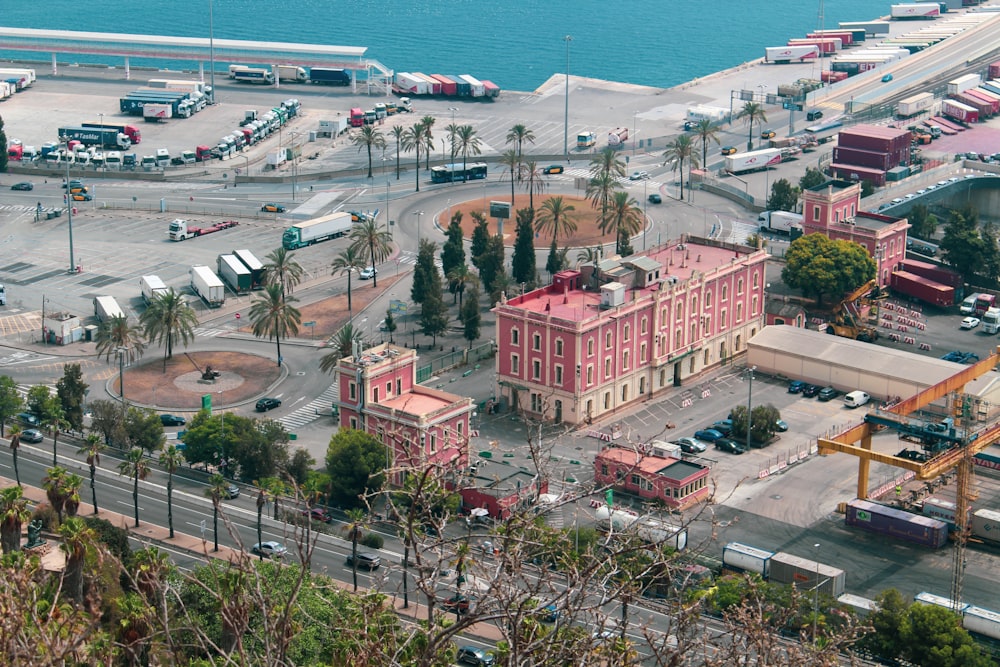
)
(995, 70)
(925, 289)
(846, 38)
(935, 272)
(982, 108)
(875, 138)
(991, 103)
(856, 156)
(852, 172)
(448, 87)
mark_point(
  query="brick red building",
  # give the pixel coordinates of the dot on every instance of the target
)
(605, 336)
(379, 394)
(834, 210)
(675, 482)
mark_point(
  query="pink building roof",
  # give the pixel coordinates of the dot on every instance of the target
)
(421, 402)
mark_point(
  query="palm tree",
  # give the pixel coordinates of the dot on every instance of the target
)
(342, 343)
(397, 133)
(453, 131)
(53, 421)
(167, 319)
(534, 183)
(355, 530)
(623, 216)
(680, 150)
(349, 261)
(467, 142)
(373, 243)
(519, 134)
(458, 279)
(606, 162)
(706, 131)
(369, 137)
(512, 161)
(116, 336)
(13, 513)
(171, 459)
(55, 489)
(428, 123)
(415, 139)
(77, 541)
(283, 270)
(92, 449)
(555, 215)
(216, 490)
(600, 188)
(71, 490)
(273, 315)
(263, 493)
(134, 465)
(751, 113)
(15, 444)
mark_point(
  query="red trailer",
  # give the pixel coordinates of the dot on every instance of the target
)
(846, 38)
(959, 111)
(433, 85)
(995, 70)
(872, 159)
(853, 172)
(925, 289)
(992, 104)
(492, 89)
(934, 272)
(448, 87)
(825, 44)
(832, 77)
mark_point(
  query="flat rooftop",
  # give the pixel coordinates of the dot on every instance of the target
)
(420, 402)
(675, 470)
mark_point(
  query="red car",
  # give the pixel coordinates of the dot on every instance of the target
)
(318, 514)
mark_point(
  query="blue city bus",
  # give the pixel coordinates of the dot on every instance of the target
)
(456, 172)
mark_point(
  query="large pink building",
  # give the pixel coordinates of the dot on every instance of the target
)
(600, 338)
(420, 426)
(834, 210)
(653, 476)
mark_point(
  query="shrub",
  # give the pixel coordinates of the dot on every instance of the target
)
(373, 541)
(47, 515)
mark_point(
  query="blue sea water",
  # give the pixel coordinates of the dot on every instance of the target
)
(517, 44)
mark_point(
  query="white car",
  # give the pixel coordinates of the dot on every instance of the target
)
(269, 549)
(368, 273)
(638, 175)
(970, 323)
(897, 200)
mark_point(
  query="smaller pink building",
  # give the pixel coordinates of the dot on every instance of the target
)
(675, 482)
(420, 426)
(500, 489)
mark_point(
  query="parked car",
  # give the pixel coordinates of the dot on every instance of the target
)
(269, 549)
(655, 199)
(473, 655)
(708, 435)
(172, 420)
(368, 273)
(31, 435)
(691, 446)
(810, 390)
(28, 419)
(265, 404)
(780, 426)
(731, 446)
(723, 426)
(366, 560)
(554, 169)
(827, 394)
(317, 514)
(796, 386)
(271, 207)
(638, 175)
(457, 604)
(970, 323)
(23, 185)
(550, 613)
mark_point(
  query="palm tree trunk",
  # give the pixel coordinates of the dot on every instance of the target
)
(680, 169)
(260, 529)
(277, 340)
(170, 504)
(406, 574)
(369, 160)
(93, 487)
(371, 253)
(135, 498)
(55, 440)
(416, 171)
(750, 137)
(215, 524)
(354, 557)
(350, 311)
(17, 473)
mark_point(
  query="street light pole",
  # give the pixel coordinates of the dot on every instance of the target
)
(750, 403)
(211, 49)
(566, 39)
(816, 597)
(634, 114)
(69, 210)
(645, 220)
(418, 214)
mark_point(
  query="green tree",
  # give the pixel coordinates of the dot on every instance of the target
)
(933, 636)
(556, 217)
(817, 266)
(169, 319)
(283, 269)
(523, 259)
(433, 312)
(518, 135)
(812, 178)
(15, 445)
(397, 132)
(923, 223)
(54, 484)
(390, 323)
(867, 188)
(171, 459)
(680, 150)
(349, 261)
(217, 489)
(368, 138)
(784, 196)
(13, 513)
(970, 248)
(490, 263)
(471, 317)
(425, 272)
(453, 251)
(553, 263)
(71, 390)
(135, 466)
(887, 619)
(600, 190)
(459, 278)
(116, 336)
(413, 140)
(706, 132)
(624, 217)
(589, 255)
(106, 418)
(428, 124)
(77, 543)
(300, 466)
(355, 461)
(751, 113)
(480, 238)
(92, 450)
(143, 429)
(372, 243)
(273, 315)
(534, 182)
(764, 420)
(511, 162)
(342, 344)
(10, 401)
(49, 413)
(467, 142)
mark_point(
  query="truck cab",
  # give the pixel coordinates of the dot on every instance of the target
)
(148, 162)
(3, 295)
(113, 160)
(370, 117)
(188, 157)
(380, 111)
(162, 157)
(129, 161)
(586, 139)
(203, 153)
(404, 104)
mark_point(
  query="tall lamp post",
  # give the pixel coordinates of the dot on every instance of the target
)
(566, 39)
(418, 214)
(451, 139)
(69, 210)
(211, 49)
(750, 372)
(816, 596)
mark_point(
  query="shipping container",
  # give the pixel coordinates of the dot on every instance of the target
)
(963, 83)
(237, 276)
(960, 111)
(107, 308)
(207, 285)
(753, 160)
(807, 574)
(614, 520)
(856, 156)
(914, 104)
(940, 601)
(990, 105)
(257, 271)
(852, 172)
(993, 85)
(875, 138)
(411, 84)
(896, 523)
(922, 288)
(826, 44)
(744, 558)
(433, 85)
(151, 287)
(859, 605)
(448, 87)
(987, 460)
(923, 10)
(984, 622)
(492, 89)
(994, 70)
(790, 54)
(464, 87)
(476, 88)
(983, 92)
(831, 76)
(935, 272)
(870, 27)
(846, 37)
(986, 525)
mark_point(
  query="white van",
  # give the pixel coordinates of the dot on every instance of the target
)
(968, 304)
(856, 399)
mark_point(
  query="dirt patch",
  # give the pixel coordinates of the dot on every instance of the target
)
(243, 376)
(331, 314)
(584, 215)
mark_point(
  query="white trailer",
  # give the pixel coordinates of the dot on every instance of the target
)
(476, 87)
(981, 621)
(914, 104)
(318, 229)
(659, 532)
(778, 221)
(291, 73)
(986, 525)
(790, 54)
(207, 285)
(744, 558)
(153, 113)
(183, 85)
(752, 161)
(963, 83)
(862, 606)
(151, 287)
(922, 10)
(409, 83)
(105, 308)
(26, 76)
(616, 520)
(702, 112)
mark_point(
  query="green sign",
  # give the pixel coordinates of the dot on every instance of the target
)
(609, 497)
(206, 402)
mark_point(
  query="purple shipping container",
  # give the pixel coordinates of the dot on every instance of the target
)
(897, 523)
(981, 107)
(922, 288)
(862, 158)
(852, 172)
(935, 272)
(990, 102)
(875, 138)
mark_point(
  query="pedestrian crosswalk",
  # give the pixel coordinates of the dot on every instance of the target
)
(310, 412)
(408, 257)
(208, 333)
(583, 172)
